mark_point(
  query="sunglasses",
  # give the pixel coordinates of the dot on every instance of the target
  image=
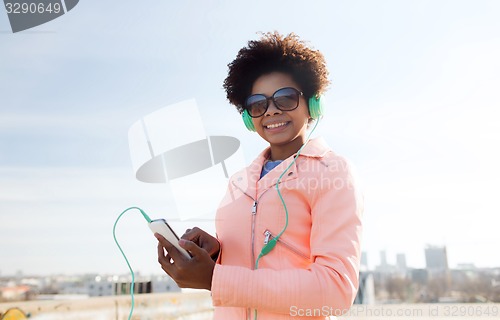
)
(285, 99)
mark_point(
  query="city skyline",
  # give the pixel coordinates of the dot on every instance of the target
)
(392, 261)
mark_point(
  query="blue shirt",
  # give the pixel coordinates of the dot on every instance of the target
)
(268, 166)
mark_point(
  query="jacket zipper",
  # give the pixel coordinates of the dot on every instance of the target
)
(268, 235)
(248, 312)
(254, 213)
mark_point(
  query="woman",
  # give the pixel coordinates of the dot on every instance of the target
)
(288, 230)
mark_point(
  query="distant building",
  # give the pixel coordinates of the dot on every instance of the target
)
(100, 288)
(419, 276)
(123, 287)
(401, 262)
(436, 259)
(93, 285)
(466, 266)
(366, 291)
(383, 259)
(364, 261)
(384, 267)
(164, 284)
(15, 292)
(146, 285)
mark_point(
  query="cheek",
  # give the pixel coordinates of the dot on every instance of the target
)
(256, 123)
(304, 116)
(258, 127)
(303, 112)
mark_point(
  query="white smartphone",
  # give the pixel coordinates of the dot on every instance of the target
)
(161, 226)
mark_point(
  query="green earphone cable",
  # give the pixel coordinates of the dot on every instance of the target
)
(124, 256)
(264, 251)
(272, 243)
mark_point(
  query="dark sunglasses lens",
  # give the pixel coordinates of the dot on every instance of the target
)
(287, 98)
(256, 105)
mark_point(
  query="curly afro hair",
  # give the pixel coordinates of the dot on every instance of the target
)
(274, 52)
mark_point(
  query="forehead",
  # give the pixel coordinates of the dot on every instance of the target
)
(268, 83)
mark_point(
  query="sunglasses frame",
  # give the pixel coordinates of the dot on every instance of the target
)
(299, 93)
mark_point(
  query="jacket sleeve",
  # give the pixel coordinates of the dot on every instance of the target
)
(331, 280)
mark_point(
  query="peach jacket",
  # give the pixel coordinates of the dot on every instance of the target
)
(313, 270)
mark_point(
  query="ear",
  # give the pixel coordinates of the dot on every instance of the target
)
(247, 120)
(310, 121)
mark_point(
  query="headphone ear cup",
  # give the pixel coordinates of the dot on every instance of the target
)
(315, 107)
(247, 120)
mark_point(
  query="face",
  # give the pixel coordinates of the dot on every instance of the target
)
(284, 130)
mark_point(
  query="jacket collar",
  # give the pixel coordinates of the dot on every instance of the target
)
(316, 148)
(248, 180)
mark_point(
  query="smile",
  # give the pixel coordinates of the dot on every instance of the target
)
(276, 125)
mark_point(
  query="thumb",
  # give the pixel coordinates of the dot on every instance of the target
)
(191, 247)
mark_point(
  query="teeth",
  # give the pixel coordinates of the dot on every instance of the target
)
(275, 125)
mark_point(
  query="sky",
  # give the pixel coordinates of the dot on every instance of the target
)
(413, 104)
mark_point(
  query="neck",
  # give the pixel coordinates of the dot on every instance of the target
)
(281, 152)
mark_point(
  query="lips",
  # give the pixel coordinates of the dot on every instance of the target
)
(275, 125)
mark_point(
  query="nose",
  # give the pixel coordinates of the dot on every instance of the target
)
(272, 109)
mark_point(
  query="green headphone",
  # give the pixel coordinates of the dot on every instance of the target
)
(315, 111)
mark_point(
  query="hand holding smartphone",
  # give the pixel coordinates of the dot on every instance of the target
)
(161, 226)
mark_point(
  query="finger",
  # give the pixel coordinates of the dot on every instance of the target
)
(192, 248)
(161, 251)
(190, 234)
(169, 259)
(163, 247)
(164, 261)
(172, 251)
(164, 257)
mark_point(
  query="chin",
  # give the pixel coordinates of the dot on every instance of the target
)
(278, 141)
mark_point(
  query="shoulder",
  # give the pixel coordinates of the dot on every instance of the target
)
(250, 174)
(330, 171)
(319, 157)
(334, 162)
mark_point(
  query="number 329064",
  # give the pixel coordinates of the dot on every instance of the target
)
(32, 7)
